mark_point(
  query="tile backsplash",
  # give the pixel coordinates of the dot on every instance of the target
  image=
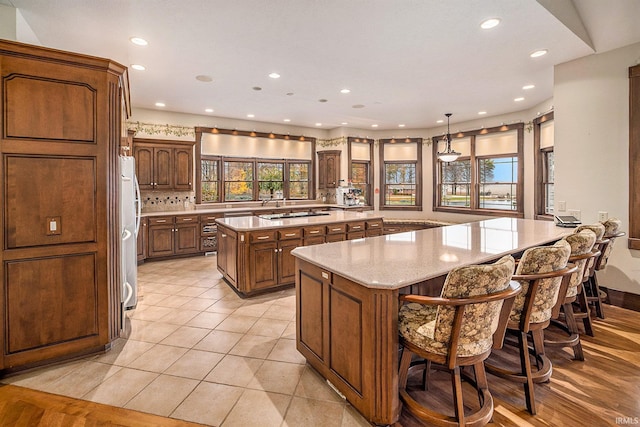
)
(159, 201)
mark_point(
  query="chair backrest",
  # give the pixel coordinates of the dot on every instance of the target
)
(612, 231)
(601, 244)
(581, 245)
(479, 321)
(538, 300)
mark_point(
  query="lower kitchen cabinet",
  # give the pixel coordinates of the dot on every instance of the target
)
(173, 235)
(228, 255)
(143, 236)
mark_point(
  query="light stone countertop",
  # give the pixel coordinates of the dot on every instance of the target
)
(397, 260)
(254, 223)
(268, 208)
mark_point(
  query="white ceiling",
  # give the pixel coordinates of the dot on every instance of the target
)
(407, 61)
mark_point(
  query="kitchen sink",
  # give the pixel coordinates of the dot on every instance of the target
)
(292, 215)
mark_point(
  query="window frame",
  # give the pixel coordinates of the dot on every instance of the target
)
(218, 181)
(474, 207)
(383, 169)
(540, 191)
(350, 161)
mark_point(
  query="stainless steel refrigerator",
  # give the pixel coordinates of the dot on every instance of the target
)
(130, 205)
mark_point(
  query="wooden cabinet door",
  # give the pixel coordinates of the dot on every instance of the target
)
(322, 171)
(144, 166)
(222, 253)
(286, 261)
(142, 239)
(227, 255)
(187, 238)
(263, 265)
(160, 240)
(183, 169)
(162, 168)
(331, 168)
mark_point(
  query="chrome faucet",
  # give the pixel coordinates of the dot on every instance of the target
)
(265, 201)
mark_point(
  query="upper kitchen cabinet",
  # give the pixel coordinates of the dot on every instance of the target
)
(328, 169)
(164, 165)
(60, 140)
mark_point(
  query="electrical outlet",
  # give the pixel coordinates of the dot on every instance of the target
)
(574, 212)
(603, 216)
(562, 206)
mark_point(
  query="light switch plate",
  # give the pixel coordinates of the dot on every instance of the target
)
(53, 225)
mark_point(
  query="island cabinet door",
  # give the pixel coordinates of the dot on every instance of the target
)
(263, 265)
(227, 255)
(286, 261)
(348, 332)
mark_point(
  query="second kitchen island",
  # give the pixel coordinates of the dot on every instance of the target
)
(347, 298)
(254, 252)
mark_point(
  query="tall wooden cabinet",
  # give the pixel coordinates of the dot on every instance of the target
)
(328, 169)
(164, 165)
(60, 138)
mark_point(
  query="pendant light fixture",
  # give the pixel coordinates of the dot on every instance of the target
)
(448, 155)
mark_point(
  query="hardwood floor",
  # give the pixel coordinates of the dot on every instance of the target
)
(23, 407)
(601, 391)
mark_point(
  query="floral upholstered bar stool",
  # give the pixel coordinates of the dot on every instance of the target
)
(569, 336)
(540, 272)
(595, 295)
(457, 330)
(589, 270)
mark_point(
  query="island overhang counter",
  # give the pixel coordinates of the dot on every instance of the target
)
(347, 298)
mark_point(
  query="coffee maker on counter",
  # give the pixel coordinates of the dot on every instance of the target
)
(347, 196)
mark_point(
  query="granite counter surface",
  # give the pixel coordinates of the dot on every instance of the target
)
(397, 260)
(268, 208)
(254, 223)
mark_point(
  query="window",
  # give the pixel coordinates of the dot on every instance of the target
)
(498, 179)
(455, 189)
(487, 178)
(400, 180)
(210, 179)
(360, 152)
(360, 180)
(238, 181)
(543, 143)
(400, 184)
(270, 180)
(238, 166)
(299, 180)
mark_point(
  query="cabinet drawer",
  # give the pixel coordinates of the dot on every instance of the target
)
(292, 233)
(208, 219)
(374, 225)
(355, 226)
(209, 244)
(187, 219)
(262, 236)
(336, 228)
(317, 230)
(160, 220)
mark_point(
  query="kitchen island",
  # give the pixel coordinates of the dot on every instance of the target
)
(347, 298)
(254, 252)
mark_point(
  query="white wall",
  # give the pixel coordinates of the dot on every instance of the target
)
(591, 97)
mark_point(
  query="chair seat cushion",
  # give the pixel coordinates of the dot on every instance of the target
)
(416, 323)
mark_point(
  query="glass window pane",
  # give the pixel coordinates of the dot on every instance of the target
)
(209, 179)
(234, 191)
(270, 171)
(400, 195)
(498, 179)
(298, 171)
(400, 186)
(210, 192)
(238, 171)
(457, 194)
(299, 190)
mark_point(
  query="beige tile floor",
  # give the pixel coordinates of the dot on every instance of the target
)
(193, 350)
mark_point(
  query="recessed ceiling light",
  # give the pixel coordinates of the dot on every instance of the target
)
(374, 126)
(519, 99)
(539, 53)
(139, 41)
(357, 106)
(204, 78)
(138, 67)
(527, 87)
(208, 110)
(344, 123)
(251, 116)
(439, 121)
(482, 113)
(160, 104)
(286, 120)
(322, 100)
(345, 91)
(289, 93)
(490, 23)
(318, 124)
(256, 88)
(274, 75)
(401, 126)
